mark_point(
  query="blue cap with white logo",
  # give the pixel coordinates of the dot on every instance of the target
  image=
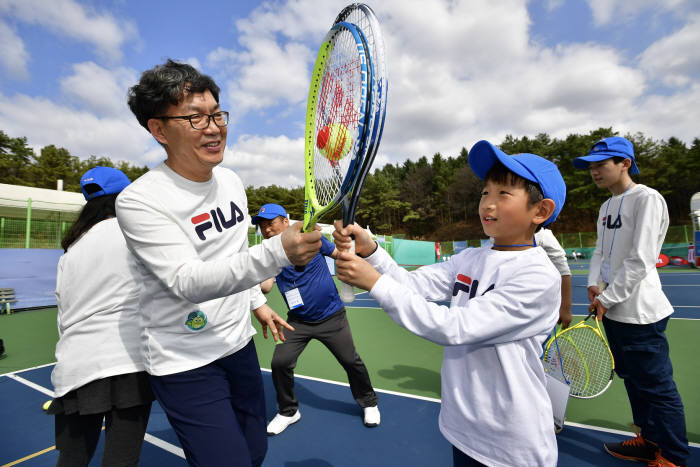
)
(269, 211)
(532, 167)
(102, 181)
(615, 146)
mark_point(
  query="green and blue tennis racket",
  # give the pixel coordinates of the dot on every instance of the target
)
(337, 113)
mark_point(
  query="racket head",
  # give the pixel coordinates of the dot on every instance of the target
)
(363, 16)
(338, 99)
(586, 359)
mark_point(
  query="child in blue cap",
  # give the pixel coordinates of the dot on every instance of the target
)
(504, 301)
(624, 287)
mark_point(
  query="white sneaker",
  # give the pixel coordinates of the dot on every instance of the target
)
(372, 417)
(281, 422)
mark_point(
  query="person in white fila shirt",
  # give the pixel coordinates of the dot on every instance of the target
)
(504, 301)
(99, 374)
(186, 222)
(625, 289)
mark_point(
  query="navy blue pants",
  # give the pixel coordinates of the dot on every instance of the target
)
(642, 361)
(218, 410)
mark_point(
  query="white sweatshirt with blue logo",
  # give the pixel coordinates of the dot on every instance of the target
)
(200, 279)
(503, 306)
(631, 231)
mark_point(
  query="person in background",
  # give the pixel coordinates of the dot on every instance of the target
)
(186, 222)
(316, 312)
(99, 374)
(625, 290)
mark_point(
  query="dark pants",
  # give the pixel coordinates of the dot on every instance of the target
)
(334, 333)
(77, 436)
(459, 459)
(642, 361)
(218, 410)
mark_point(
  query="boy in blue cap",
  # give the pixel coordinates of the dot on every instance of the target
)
(624, 287)
(504, 302)
(316, 312)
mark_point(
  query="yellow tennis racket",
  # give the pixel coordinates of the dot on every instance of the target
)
(584, 356)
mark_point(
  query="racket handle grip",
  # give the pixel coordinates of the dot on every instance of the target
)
(347, 291)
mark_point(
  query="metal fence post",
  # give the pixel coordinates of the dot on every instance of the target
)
(29, 223)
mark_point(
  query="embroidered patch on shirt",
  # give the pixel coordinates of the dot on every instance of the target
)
(196, 320)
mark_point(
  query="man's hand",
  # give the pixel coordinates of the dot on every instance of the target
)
(364, 245)
(354, 270)
(301, 247)
(268, 318)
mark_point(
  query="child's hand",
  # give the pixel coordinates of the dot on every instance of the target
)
(354, 270)
(364, 245)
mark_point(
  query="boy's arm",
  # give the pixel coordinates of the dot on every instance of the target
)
(596, 260)
(523, 307)
(546, 239)
(651, 218)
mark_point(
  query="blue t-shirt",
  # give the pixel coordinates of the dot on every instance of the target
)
(315, 285)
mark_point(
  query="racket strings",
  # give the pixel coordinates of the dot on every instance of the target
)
(339, 101)
(585, 360)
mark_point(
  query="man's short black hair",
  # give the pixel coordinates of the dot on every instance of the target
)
(165, 85)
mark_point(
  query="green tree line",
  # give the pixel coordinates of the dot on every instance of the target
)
(432, 199)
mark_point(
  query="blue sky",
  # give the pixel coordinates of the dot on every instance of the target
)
(459, 71)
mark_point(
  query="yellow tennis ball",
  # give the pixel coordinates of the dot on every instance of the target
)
(46, 405)
(334, 141)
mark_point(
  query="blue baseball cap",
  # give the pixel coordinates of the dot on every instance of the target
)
(534, 168)
(101, 181)
(269, 211)
(615, 146)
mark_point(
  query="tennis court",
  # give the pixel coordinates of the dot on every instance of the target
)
(404, 369)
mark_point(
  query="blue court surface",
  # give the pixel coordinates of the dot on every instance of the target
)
(329, 434)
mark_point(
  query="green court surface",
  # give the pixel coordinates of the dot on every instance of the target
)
(397, 361)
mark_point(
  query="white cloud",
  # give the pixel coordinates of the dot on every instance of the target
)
(607, 12)
(262, 161)
(675, 59)
(73, 20)
(83, 134)
(100, 89)
(13, 55)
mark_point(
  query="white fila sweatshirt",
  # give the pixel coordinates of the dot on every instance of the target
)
(503, 306)
(200, 279)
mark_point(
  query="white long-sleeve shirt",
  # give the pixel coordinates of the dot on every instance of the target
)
(200, 279)
(631, 245)
(495, 406)
(97, 292)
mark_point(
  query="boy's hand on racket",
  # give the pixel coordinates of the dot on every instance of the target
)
(593, 292)
(354, 270)
(364, 245)
(597, 308)
(268, 318)
(301, 247)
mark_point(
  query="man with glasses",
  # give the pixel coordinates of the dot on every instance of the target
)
(316, 312)
(186, 222)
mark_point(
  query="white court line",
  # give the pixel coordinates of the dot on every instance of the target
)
(339, 383)
(171, 448)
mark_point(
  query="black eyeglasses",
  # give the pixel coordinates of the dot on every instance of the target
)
(201, 121)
